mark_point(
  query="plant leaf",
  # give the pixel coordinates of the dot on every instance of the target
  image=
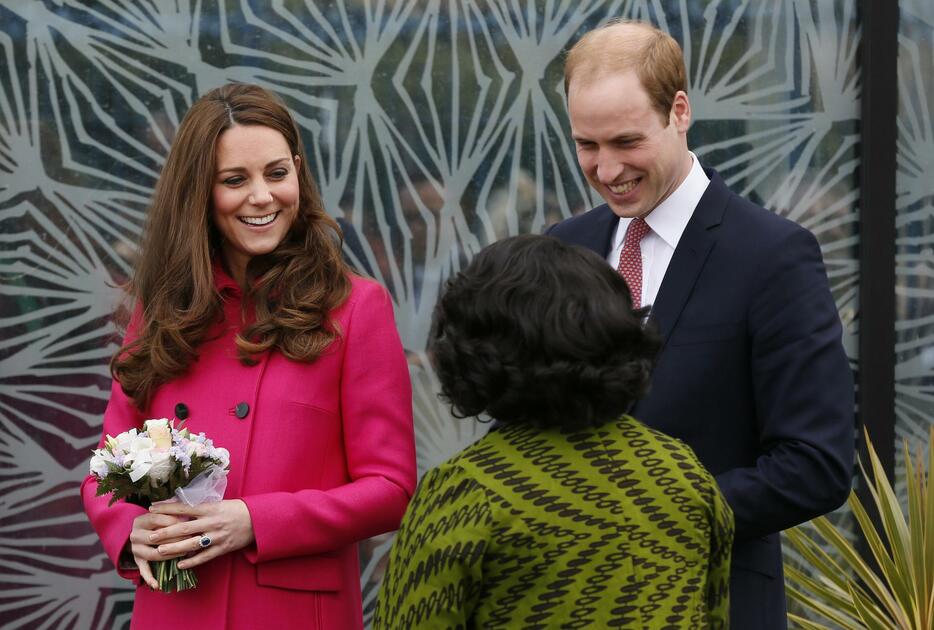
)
(895, 528)
(880, 553)
(867, 612)
(832, 604)
(807, 624)
(855, 562)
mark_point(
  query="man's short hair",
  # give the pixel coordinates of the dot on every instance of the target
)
(623, 45)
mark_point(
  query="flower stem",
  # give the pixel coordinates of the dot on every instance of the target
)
(171, 578)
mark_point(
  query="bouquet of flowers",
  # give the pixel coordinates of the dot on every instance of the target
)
(158, 463)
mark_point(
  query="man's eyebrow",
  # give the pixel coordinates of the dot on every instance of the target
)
(619, 139)
(628, 137)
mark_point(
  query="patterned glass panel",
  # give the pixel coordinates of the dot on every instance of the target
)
(434, 128)
(914, 264)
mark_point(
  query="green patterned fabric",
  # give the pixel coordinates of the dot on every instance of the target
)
(614, 527)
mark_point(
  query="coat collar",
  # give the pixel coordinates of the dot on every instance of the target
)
(222, 280)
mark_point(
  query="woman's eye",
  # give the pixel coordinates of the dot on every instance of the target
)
(279, 173)
(236, 180)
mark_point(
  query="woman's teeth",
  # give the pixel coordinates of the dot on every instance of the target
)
(622, 189)
(269, 218)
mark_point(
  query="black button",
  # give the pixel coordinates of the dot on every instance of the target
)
(181, 411)
(242, 410)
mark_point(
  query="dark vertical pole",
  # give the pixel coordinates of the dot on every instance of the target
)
(876, 381)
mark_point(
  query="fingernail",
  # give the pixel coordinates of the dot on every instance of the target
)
(152, 537)
(182, 565)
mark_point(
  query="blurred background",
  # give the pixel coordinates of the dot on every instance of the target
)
(434, 127)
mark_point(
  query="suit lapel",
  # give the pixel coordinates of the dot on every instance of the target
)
(599, 236)
(689, 257)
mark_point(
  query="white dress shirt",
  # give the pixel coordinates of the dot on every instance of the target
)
(667, 221)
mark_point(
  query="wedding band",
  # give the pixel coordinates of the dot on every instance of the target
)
(204, 542)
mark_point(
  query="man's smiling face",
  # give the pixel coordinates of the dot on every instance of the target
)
(631, 155)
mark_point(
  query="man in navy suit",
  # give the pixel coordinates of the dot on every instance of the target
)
(752, 374)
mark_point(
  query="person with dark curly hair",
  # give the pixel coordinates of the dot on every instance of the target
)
(568, 513)
(249, 326)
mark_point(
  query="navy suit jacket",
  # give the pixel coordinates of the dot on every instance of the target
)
(752, 375)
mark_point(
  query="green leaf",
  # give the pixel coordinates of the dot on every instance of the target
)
(915, 483)
(869, 614)
(808, 624)
(853, 560)
(902, 594)
(893, 524)
(826, 591)
(831, 605)
(880, 553)
(817, 557)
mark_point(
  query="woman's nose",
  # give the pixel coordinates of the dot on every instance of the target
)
(260, 196)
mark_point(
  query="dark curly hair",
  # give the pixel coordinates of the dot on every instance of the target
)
(536, 331)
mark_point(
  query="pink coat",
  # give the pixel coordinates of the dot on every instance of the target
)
(324, 457)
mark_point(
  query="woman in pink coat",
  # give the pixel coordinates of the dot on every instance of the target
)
(249, 326)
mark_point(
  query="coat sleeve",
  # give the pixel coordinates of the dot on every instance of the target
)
(113, 523)
(435, 573)
(379, 445)
(804, 396)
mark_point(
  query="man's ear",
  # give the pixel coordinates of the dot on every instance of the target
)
(680, 115)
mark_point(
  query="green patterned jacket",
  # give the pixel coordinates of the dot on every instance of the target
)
(614, 527)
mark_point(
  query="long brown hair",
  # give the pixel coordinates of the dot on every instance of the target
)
(292, 288)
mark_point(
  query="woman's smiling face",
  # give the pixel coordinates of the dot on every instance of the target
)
(255, 193)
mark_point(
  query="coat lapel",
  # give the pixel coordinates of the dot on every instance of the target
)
(598, 236)
(698, 239)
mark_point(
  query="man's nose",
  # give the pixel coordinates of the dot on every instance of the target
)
(608, 169)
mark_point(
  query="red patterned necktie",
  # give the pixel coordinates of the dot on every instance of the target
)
(630, 259)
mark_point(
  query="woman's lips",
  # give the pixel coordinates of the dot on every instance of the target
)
(266, 219)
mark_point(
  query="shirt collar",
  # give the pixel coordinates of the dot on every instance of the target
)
(671, 216)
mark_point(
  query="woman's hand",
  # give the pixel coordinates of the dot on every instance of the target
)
(226, 523)
(144, 526)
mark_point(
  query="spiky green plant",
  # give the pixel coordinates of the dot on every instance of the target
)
(843, 588)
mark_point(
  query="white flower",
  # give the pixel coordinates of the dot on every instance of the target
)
(159, 432)
(140, 467)
(189, 447)
(161, 467)
(121, 443)
(99, 467)
(138, 445)
(222, 455)
(139, 455)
